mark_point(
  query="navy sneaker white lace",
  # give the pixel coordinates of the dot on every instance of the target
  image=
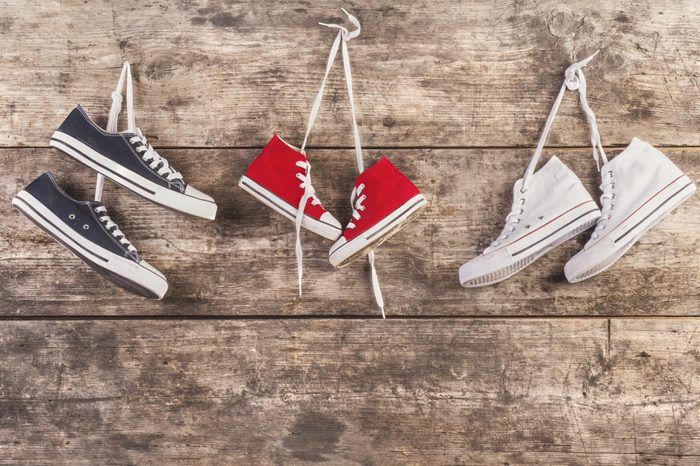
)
(640, 187)
(85, 229)
(549, 206)
(127, 158)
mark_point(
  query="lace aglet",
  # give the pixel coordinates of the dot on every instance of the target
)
(383, 315)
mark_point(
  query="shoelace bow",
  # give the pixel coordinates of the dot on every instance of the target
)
(113, 228)
(606, 201)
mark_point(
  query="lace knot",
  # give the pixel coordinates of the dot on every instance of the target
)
(344, 33)
(572, 80)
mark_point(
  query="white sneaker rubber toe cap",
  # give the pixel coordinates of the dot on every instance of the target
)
(328, 218)
(485, 264)
(207, 208)
(588, 258)
(156, 281)
(336, 259)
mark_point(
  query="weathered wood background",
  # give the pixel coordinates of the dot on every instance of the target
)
(233, 366)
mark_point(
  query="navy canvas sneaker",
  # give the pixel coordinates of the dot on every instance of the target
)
(127, 158)
(86, 230)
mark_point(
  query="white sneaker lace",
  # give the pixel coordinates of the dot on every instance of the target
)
(607, 200)
(512, 219)
(157, 162)
(148, 153)
(575, 80)
(113, 228)
(356, 202)
(309, 193)
(341, 39)
(340, 42)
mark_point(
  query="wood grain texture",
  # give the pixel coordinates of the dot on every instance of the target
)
(440, 73)
(351, 392)
(243, 263)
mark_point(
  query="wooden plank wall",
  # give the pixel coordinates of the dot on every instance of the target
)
(233, 366)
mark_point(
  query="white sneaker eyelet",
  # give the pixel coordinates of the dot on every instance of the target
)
(541, 217)
(86, 227)
(71, 216)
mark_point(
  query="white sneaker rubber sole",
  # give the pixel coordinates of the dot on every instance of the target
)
(146, 188)
(642, 221)
(557, 233)
(140, 278)
(288, 210)
(346, 253)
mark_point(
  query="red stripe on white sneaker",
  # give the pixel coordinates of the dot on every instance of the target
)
(646, 202)
(539, 228)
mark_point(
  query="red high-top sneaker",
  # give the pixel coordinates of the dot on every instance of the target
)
(384, 201)
(279, 177)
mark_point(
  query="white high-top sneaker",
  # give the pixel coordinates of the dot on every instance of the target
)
(549, 206)
(640, 186)
(554, 208)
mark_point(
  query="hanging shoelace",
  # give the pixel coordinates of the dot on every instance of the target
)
(342, 38)
(113, 228)
(309, 193)
(149, 155)
(575, 80)
(340, 42)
